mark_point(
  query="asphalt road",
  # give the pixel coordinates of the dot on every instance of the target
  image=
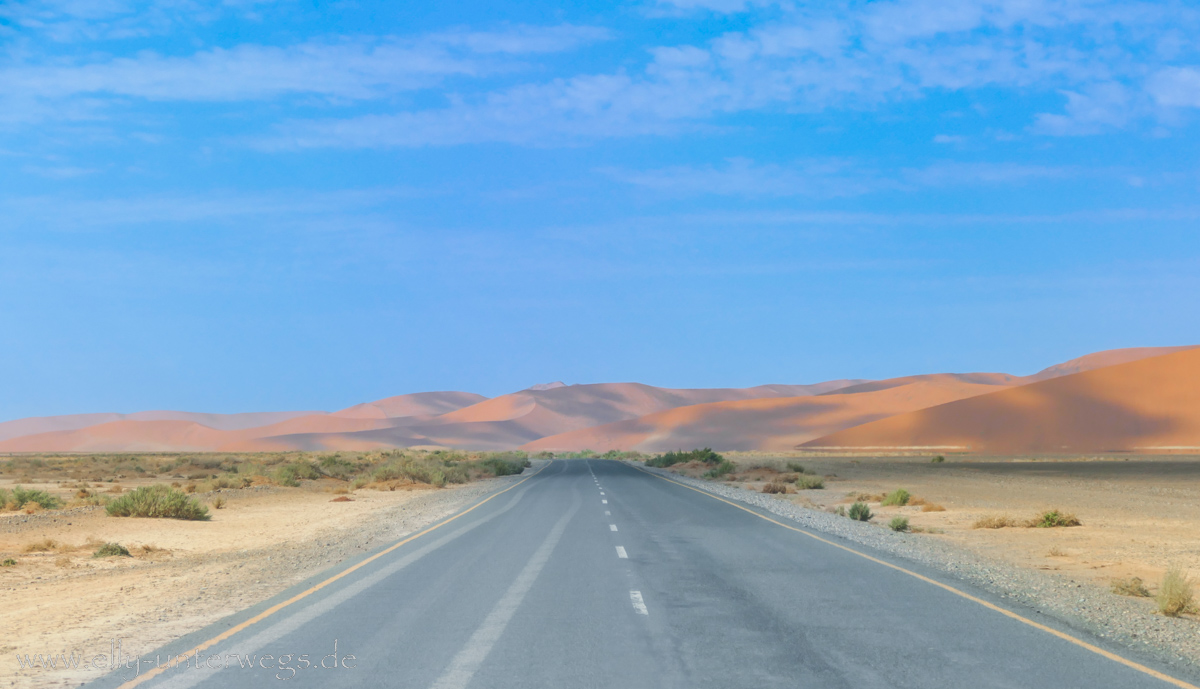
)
(595, 574)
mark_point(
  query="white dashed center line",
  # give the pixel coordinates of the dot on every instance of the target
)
(612, 527)
(639, 605)
(604, 501)
(621, 552)
(607, 513)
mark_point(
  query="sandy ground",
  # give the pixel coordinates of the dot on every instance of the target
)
(183, 574)
(1139, 515)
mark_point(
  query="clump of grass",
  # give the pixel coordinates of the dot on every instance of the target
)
(1133, 586)
(19, 498)
(932, 507)
(421, 469)
(158, 501)
(775, 487)
(859, 512)
(796, 467)
(111, 550)
(43, 546)
(8, 562)
(938, 459)
(810, 482)
(898, 524)
(994, 521)
(705, 455)
(896, 498)
(1053, 519)
(725, 467)
(1055, 551)
(1175, 595)
(840, 510)
(218, 503)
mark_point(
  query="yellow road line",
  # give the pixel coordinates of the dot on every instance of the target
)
(1008, 613)
(158, 670)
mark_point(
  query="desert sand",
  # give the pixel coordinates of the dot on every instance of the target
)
(1146, 405)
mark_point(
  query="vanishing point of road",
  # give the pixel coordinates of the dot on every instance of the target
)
(595, 574)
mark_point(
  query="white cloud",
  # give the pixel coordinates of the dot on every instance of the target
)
(1176, 87)
(830, 177)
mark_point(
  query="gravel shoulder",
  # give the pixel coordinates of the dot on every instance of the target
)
(183, 575)
(1080, 602)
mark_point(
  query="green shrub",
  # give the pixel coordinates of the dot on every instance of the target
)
(810, 482)
(504, 467)
(157, 501)
(859, 512)
(938, 459)
(725, 467)
(1175, 595)
(705, 455)
(796, 467)
(18, 497)
(291, 474)
(334, 466)
(8, 562)
(1054, 518)
(111, 550)
(898, 524)
(896, 498)
(421, 469)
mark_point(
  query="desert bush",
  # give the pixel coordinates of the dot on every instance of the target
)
(19, 497)
(1175, 595)
(705, 455)
(840, 510)
(810, 482)
(993, 521)
(334, 466)
(1133, 586)
(8, 562)
(898, 524)
(859, 512)
(796, 467)
(218, 503)
(932, 507)
(291, 474)
(157, 501)
(111, 550)
(938, 459)
(504, 467)
(1054, 518)
(775, 487)
(725, 467)
(43, 546)
(420, 469)
(896, 498)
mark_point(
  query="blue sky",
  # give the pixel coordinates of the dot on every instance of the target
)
(232, 206)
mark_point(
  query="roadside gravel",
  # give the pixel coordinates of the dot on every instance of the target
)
(1129, 622)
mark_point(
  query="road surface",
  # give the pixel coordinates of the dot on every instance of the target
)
(593, 573)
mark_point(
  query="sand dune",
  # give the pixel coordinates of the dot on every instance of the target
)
(1149, 404)
(769, 424)
(635, 416)
(418, 404)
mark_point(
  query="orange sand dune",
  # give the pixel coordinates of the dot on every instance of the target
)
(418, 404)
(1144, 405)
(770, 424)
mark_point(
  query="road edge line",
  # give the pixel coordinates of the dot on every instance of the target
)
(242, 626)
(963, 594)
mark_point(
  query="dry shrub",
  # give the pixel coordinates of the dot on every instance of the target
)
(63, 561)
(1055, 551)
(1175, 595)
(932, 507)
(1052, 519)
(43, 546)
(190, 488)
(1133, 586)
(916, 502)
(116, 488)
(342, 498)
(994, 521)
(776, 487)
(218, 503)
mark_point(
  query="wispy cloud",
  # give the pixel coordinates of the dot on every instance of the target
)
(831, 178)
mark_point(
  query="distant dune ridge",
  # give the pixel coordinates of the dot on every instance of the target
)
(1128, 399)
